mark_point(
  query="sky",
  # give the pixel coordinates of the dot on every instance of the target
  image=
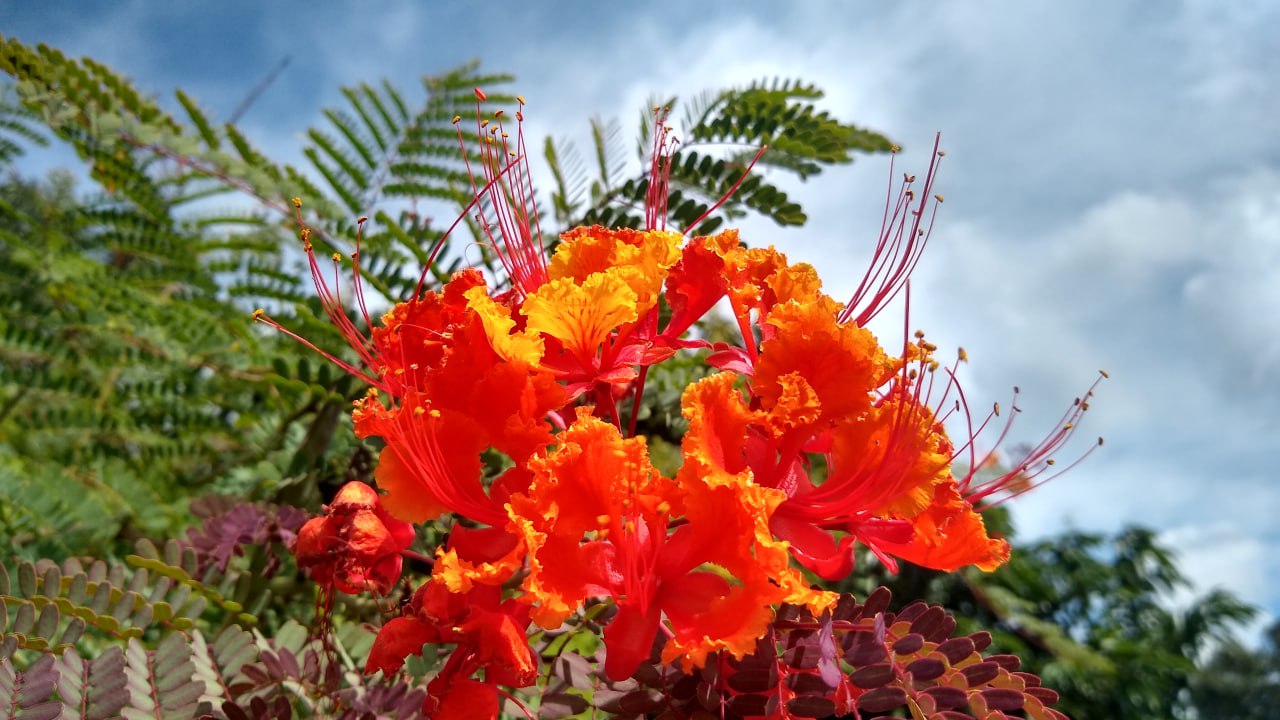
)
(1112, 185)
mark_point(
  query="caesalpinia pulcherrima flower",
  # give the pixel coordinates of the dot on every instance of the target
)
(811, 438)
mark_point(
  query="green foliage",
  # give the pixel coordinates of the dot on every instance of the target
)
(1237, 682)
(131, 376)
(723, 131)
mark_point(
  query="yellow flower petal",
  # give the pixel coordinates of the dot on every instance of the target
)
(581, 316)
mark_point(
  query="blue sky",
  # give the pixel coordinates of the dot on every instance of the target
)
(1112, 184)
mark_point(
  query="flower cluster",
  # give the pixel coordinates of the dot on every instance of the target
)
(513, 412)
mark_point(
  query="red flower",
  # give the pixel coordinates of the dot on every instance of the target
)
(355, 545)
(490, 635)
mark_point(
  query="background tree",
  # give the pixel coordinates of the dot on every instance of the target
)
(132, 382)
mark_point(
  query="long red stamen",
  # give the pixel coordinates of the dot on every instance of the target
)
(519, 243)
(903, 236)
(415, 443)
(1037, 461)
(725, 198)
(661, 155)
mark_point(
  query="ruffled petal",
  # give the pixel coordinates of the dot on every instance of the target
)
(398, 639)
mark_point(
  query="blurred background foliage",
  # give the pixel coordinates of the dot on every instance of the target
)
(133, 383)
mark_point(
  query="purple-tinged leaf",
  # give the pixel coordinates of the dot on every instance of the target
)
(1008, 662)
(981, 674)
(753, 705)
(557, 705)
(909, 613)
(575, 670)
(882, 699)
(811, 707)
(929, 623)
(928, 668)
(44, 711)
(808, 684)
(880, 628)
(945, 697)
(38, 681)
(877, 602)
(828, 662)
(641, 702)
(709, 697)
(908, 644)
(981, 640)
(1047, 696)
(748, 681)
(1003, 698)
(685, 689)
(873, 676)
(865, 653)
(956, 649)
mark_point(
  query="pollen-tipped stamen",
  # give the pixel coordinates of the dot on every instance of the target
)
(903, 236)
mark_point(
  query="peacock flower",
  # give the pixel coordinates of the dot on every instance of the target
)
(504, 410)
(459, 397)
(597, 313)
(490, 635)
(598, 522)
(356, 545)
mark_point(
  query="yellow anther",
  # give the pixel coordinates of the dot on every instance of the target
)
(419, 411)
(895, 148)
(337, 257)
(297, 203)
(399, 371)
(938, 197)
(928, 346)
(520, 99)
(362, 219)
(996, 409)
(457, 119)
(435, 413)
(964, 356)
(519, 116)
(484, 123)
(664, 507)
(1104, 373)
(505, 135)
(498, 113)
(602, 520)
(259, 314)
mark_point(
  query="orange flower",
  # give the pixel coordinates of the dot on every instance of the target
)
(356, 545)
(597, 314)
(490, 635)
(950, 535)
(597, 522)
(455, 397)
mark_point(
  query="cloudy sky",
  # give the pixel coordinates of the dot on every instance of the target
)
(1112, 181)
